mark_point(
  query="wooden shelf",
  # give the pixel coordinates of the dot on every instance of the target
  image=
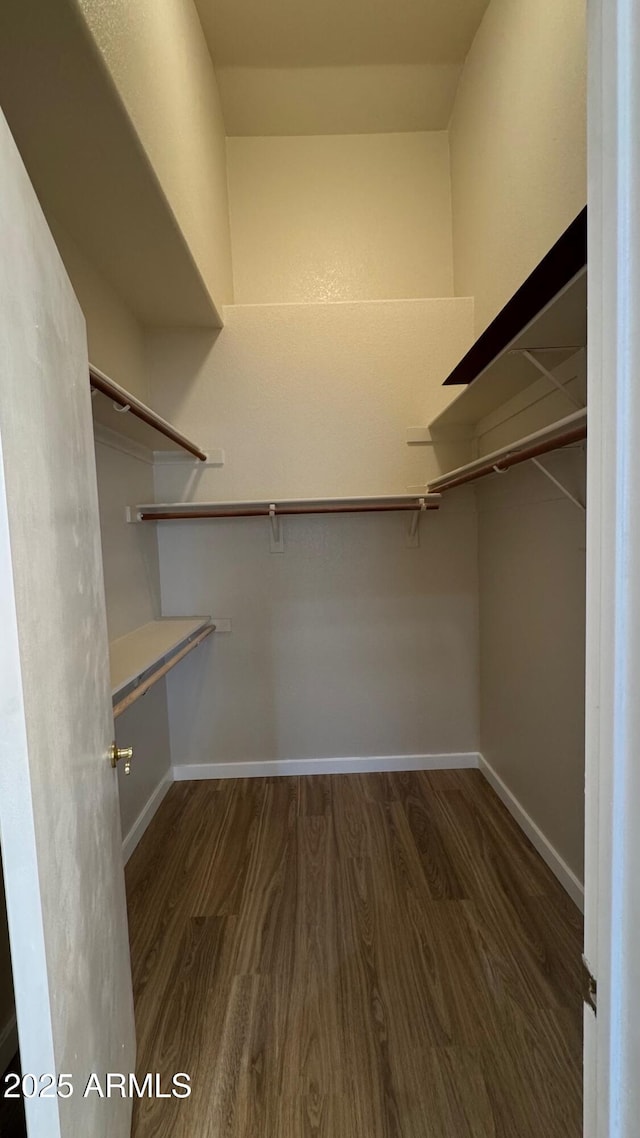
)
(557, 333)
(136, 420)
(135, 654)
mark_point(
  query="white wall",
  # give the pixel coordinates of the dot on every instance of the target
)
(518, 165)
(518, 145)
(158, 58)
(531, 544)
(130, 557)
(348, 642)
(340, 217)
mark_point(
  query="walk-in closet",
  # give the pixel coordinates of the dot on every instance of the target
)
(332, 266)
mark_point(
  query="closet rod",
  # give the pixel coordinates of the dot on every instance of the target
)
(143, 688)
(512, 458)
(279, 511)
(124, 399)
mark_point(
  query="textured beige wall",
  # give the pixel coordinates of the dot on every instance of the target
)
(309, 399)
(159, 60)
(518, 145)
(342, 217)
(115, 338)
(348, 642)
(369, 99)
(531, 544)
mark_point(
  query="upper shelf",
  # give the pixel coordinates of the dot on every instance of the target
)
(553, 336)
(135, 419)
(90, 170)
(533, 307)
(134, 654)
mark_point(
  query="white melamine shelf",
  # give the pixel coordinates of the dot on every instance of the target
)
(281, 507)
(117, 409)
(564, 432)
(558, 332)
(139, 651)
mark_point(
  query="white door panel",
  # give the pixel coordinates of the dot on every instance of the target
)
(612, 880)
(59, 821)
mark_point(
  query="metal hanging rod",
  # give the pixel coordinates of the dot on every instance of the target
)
(158, 674)
(128, 403)
(563, 433)
(214, 510)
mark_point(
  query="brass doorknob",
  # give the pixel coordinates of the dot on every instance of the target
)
(118, 753)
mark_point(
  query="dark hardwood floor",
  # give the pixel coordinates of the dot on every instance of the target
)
(376, 956)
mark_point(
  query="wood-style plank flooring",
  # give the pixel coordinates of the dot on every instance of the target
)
(357, 956)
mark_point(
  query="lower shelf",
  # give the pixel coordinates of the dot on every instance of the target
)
(562, 433)
(147, 648)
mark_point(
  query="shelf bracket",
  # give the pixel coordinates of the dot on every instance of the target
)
(552, 378)
(276, 536)
(560, 485)
(413, 535)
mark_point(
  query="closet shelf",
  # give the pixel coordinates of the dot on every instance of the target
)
(539, 329)
(557, 334)
(153, 648)
(542, 312)
(188, 511)
(562, 433)
(133, 418)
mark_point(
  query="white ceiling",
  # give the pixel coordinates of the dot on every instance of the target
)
(338, 66)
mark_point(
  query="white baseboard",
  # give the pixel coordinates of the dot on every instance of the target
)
(8, 1043)
(144, 817)
(357, 765)
(557, 865)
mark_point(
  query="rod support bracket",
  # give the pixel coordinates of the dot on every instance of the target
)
(276, 536)
(558, 484)
(413, 535)
(561, 387)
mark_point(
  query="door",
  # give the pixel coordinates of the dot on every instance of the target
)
(59, 822)
(612, 863)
